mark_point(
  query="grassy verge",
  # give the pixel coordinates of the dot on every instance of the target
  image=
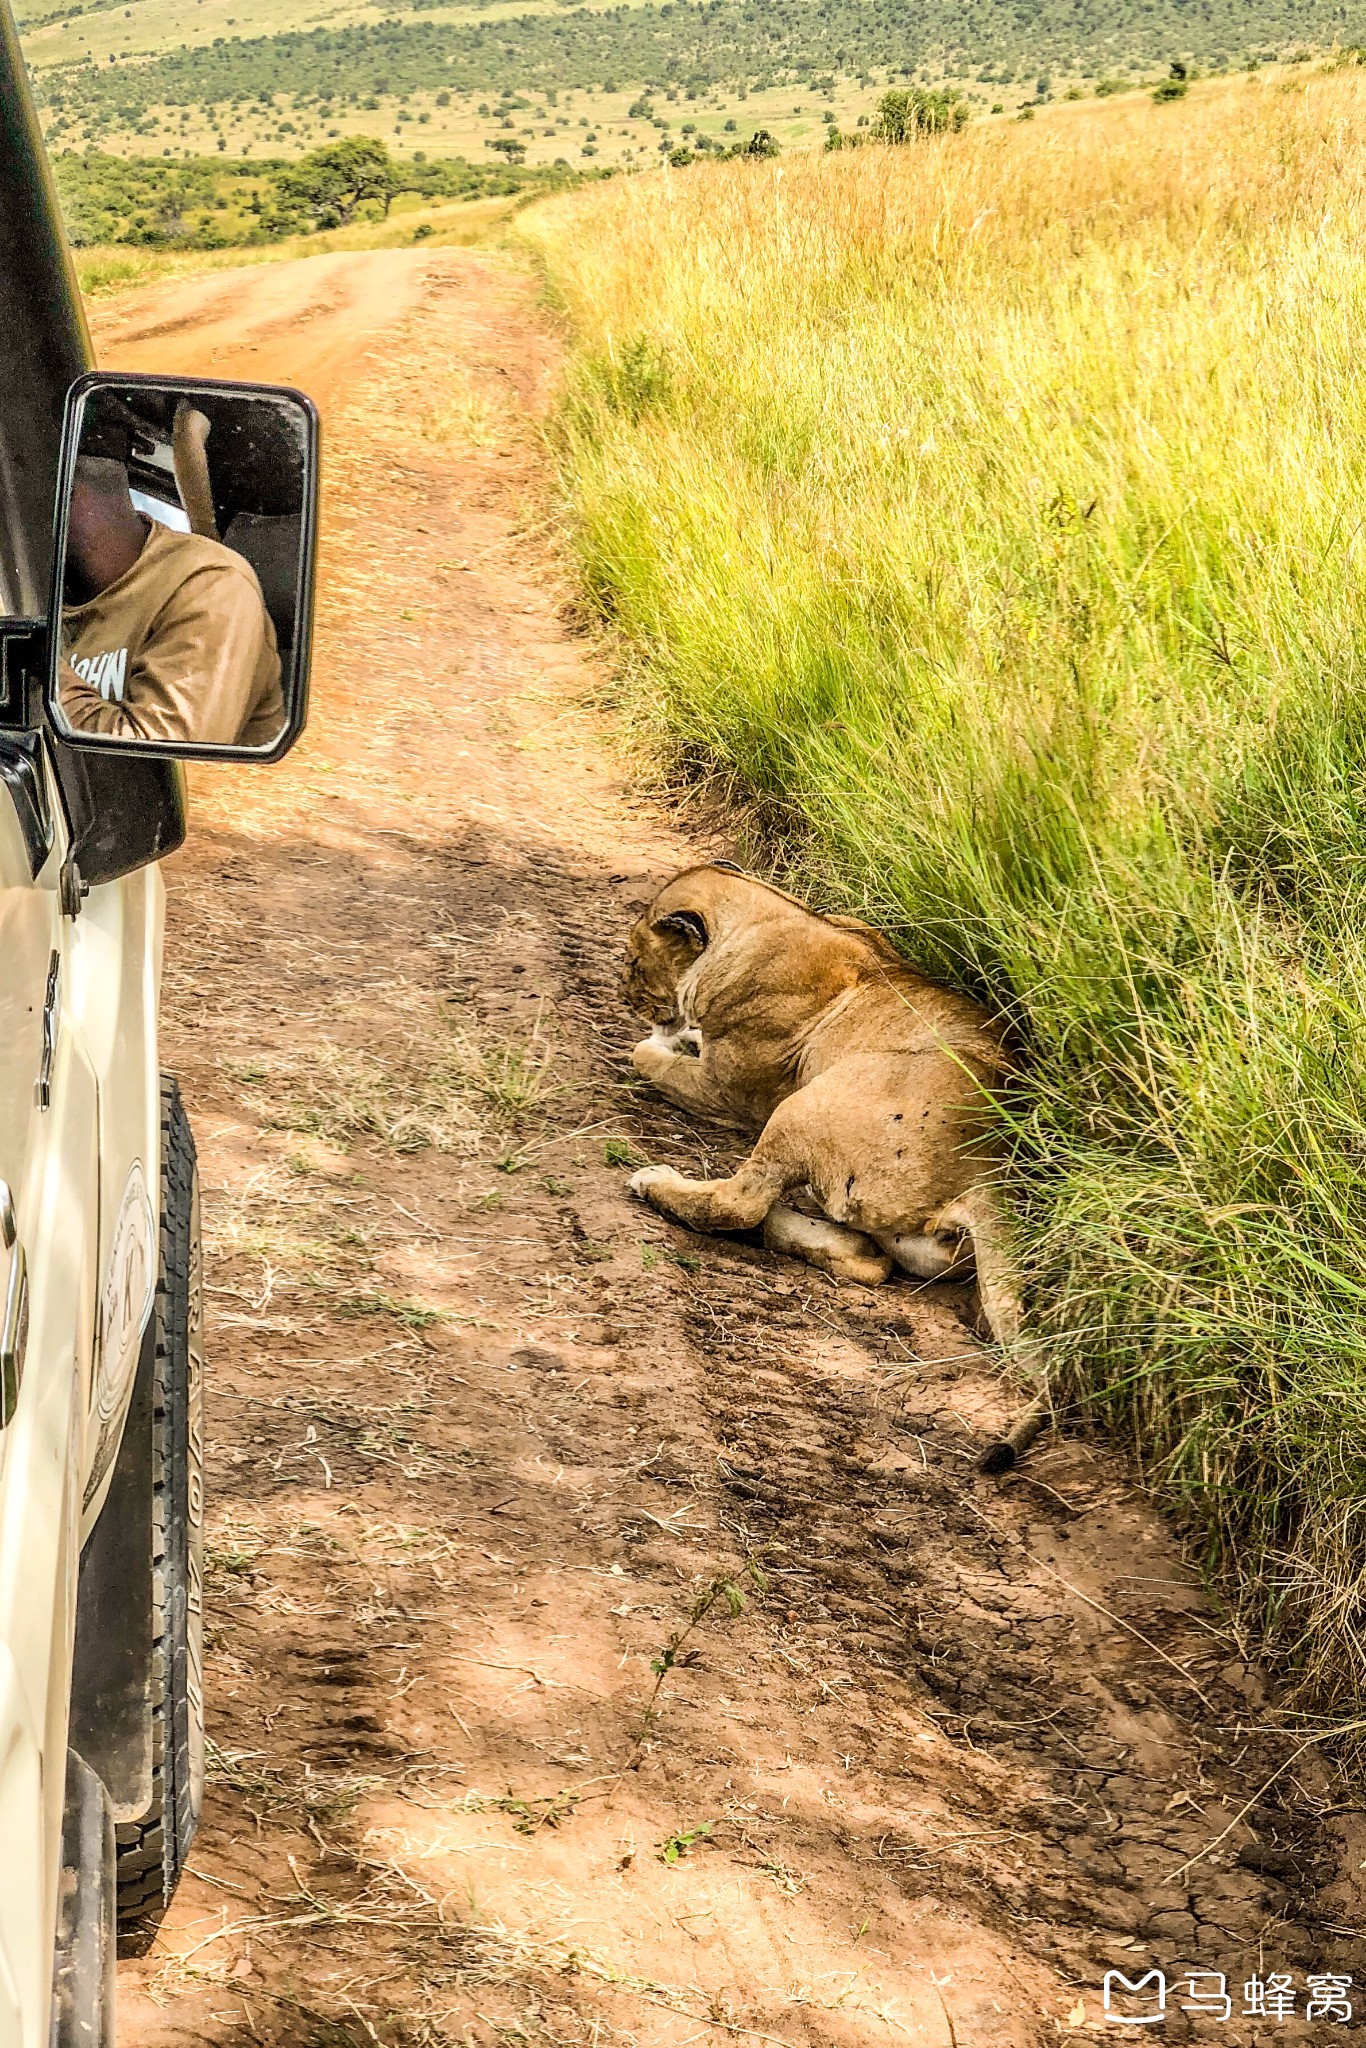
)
(993, 509)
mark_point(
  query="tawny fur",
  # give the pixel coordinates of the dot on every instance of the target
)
(869, 1085)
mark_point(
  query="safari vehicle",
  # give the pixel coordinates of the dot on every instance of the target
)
(156, 541)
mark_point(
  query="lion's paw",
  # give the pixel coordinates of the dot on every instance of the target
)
(651, 1058)
(651, 1181)
(654, 1056)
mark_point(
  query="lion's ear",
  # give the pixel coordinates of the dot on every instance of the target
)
(685, 924)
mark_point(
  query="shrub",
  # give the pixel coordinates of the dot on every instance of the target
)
(904, 115)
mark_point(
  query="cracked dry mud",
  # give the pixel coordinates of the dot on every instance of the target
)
(485, 1431)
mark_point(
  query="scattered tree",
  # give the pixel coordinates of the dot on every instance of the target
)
(333, 181)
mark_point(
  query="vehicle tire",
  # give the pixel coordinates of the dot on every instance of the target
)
(152, 1850)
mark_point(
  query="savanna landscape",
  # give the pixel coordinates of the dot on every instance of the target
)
(949, 509)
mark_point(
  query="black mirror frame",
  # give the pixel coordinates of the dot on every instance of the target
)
(186, 750)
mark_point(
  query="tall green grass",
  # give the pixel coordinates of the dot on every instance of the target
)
(993, 509)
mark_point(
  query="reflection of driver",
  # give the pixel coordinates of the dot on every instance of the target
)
(165, 635)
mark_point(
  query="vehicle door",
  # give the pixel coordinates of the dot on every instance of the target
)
(49, 1210)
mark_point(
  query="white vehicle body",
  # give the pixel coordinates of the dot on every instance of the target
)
(101, 1505)
(90, 1261)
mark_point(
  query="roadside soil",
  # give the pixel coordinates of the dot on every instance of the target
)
(610, 1637)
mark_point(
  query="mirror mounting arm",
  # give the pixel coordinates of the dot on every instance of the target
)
(72, 888)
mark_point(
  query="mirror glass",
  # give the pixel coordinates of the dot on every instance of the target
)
(184, 528)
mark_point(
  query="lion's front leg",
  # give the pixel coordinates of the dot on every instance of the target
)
(780, 1160)
(683, 1078)
(738, 1203)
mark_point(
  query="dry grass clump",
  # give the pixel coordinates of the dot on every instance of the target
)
(993, 509)
(451, 1093)
(464, 414)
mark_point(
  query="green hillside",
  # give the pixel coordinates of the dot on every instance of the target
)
(594, 79)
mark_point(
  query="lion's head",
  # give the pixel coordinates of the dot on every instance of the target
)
(659, 952)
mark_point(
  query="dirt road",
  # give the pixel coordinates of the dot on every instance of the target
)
(298, 323)
(610, 1638)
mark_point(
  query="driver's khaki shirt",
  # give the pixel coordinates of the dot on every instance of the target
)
(180, 647)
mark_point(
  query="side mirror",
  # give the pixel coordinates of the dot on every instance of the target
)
(182, 576)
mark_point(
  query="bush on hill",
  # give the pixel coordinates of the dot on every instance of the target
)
(902, 116)
(905, 116)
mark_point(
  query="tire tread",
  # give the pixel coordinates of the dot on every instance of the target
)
(151, 1851)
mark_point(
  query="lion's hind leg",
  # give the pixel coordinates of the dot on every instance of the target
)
(928, 1257)
(977, 1214)
(843, 1253)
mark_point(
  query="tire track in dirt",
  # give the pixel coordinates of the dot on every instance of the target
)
(273, 322)
(485, 1434)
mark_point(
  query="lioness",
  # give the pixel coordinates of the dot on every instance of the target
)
(868, 1085)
